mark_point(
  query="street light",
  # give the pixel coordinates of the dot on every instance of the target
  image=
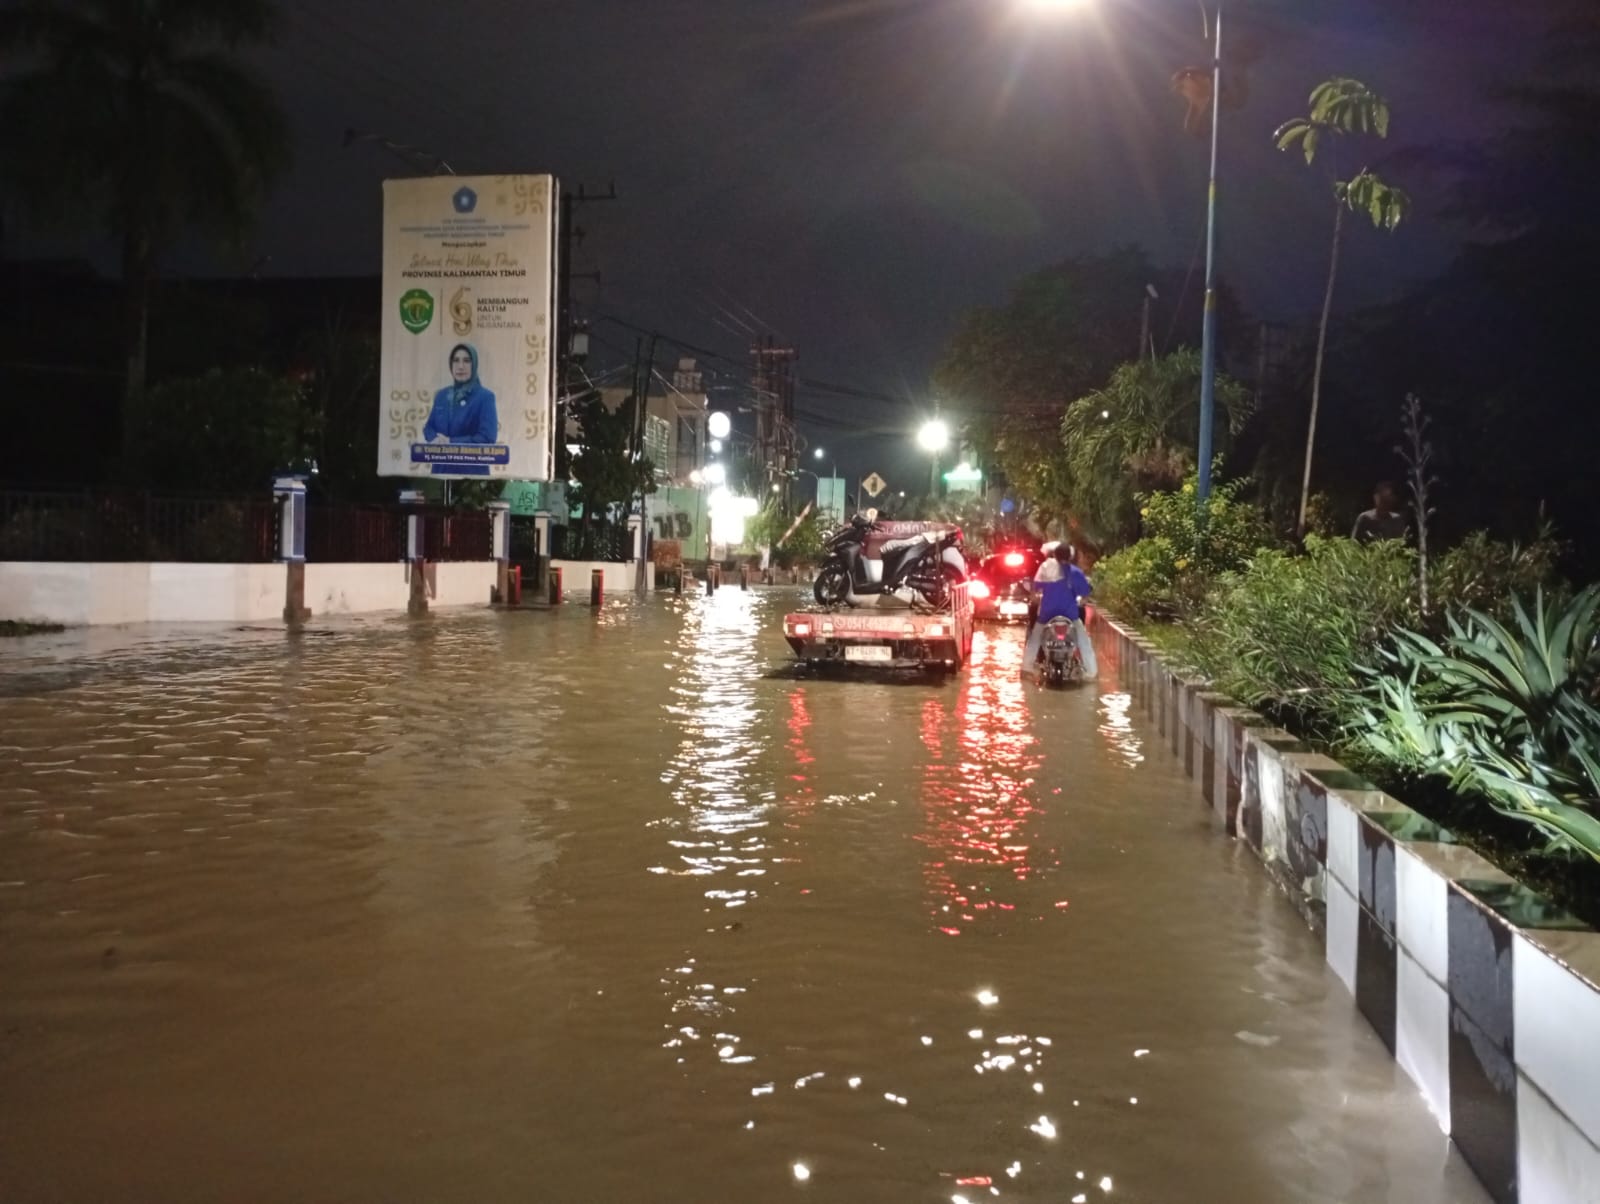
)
(1208, 324)
(1208, 327)
(934, 437)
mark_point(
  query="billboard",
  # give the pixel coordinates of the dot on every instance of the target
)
(468, 377)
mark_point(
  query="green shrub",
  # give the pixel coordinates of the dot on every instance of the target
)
(1504, 712)
(1485, 574)
(1290, 633)
(1167, 573)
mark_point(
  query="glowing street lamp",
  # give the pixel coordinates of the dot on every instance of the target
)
(719, 424)
(933, 437)
(1208, 327)
(714, 473)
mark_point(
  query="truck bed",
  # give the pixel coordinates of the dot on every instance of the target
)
(899, 639)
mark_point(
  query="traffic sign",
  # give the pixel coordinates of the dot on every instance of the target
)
(874, 484)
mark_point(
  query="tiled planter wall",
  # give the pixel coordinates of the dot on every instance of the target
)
(1484, 992)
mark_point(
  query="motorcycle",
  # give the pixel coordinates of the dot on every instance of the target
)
(909, 563)
(1060, 662)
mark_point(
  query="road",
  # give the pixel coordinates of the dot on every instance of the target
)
(573, 907)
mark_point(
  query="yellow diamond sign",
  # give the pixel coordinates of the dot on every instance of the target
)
(874, 484)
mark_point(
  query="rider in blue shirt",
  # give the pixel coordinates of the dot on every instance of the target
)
(1060, 585)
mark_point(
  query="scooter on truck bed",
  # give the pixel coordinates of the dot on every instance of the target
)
(907, 639)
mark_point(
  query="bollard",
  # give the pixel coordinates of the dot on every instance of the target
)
(711, 580)
(744, 576)
(677, 582)
(514, 585)
(555, 585)
(597, 579)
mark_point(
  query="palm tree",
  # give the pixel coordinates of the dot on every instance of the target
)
(1138, 434)
(1340, 106)
(134, 117)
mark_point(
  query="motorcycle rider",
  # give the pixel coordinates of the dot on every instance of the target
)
(1061, 586)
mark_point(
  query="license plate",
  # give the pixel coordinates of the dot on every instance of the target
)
(868, 652)
(1013, 608)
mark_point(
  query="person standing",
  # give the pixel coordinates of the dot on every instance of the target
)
(1384, 520)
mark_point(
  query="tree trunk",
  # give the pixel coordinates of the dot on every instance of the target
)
(1316, 371)
(137, 270)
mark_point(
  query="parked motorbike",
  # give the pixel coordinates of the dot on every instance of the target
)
(909, 563)
(1060, 662)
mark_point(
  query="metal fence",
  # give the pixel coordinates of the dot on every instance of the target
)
(136, 526)
(463, 536)
(101, 525)
(601, 541)
(346, 534)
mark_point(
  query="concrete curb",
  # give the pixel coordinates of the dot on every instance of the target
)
(1485, 992)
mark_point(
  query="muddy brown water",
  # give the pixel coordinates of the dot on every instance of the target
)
(565, 907)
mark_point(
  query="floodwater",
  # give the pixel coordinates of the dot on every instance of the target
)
(565, 907)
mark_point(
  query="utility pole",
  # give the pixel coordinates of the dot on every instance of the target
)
(641, 394)
(775, 430)
(567, 234)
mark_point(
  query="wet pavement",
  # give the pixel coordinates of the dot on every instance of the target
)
(564, 907)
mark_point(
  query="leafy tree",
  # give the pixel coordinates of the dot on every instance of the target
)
(226, 430)
(802, 539)
(606, 475)
(1139, 435)
(1340, 106)
(134, 117)
(1014, 368)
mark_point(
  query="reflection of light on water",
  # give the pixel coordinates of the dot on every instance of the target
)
(977, 807)
(718, 821)
(1117, 727)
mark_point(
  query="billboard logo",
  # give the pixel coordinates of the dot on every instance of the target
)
(416, 309)
(461, 311)
(465, 200)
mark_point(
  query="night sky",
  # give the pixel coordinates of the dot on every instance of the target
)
(853, 174)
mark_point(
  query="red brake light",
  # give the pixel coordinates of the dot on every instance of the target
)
(1015, 560)
(978, 588)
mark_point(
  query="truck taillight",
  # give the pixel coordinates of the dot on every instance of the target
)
(936, 629)
(909, 629)
(802, 629)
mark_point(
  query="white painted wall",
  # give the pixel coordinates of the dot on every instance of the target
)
(112, 593)
(353, 589)
(618, 577)
(81, 595)
(462, 583)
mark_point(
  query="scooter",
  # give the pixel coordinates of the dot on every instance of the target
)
(1060, 662)
(906, 563)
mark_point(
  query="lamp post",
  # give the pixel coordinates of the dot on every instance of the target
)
(933, 437)
(1208, 327)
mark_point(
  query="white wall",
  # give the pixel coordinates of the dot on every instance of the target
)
(88, 594)
(117, 593)
(618, 577)
(353, 589)
(462, 583)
